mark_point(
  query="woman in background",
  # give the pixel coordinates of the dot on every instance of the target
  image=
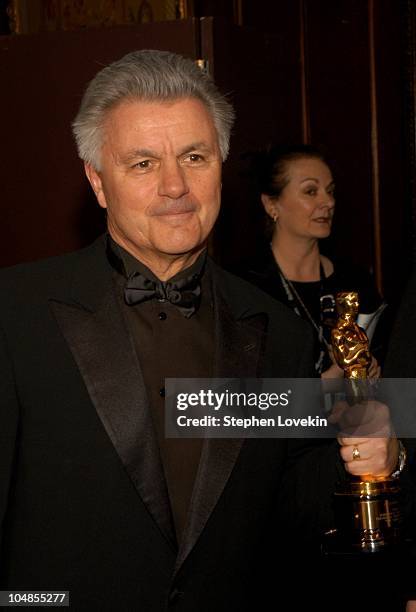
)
(297, 192)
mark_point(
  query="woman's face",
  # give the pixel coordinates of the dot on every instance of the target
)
(306, 205)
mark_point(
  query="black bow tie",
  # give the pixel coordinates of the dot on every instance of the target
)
(184, 293)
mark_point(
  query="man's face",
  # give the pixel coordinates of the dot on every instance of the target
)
(160, 177)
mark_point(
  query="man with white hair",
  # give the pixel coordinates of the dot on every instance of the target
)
(94, 499)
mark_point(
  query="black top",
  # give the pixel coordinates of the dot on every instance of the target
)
(317, 297)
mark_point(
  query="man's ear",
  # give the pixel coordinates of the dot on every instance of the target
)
(270, 206)
(96, 183)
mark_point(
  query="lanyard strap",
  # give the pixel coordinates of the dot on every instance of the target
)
(296, 301)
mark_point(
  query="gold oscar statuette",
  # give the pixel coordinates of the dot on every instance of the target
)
(367, 508)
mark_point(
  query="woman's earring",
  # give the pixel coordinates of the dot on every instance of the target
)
(274, 217)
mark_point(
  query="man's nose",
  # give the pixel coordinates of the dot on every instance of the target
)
(172, 180)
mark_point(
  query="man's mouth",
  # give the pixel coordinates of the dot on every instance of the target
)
(174, 209)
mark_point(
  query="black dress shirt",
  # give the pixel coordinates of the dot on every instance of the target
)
(169, 345)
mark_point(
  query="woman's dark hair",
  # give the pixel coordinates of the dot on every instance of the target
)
(270, 166)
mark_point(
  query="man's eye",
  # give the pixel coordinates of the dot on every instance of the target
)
(195, 157)
(142, 165)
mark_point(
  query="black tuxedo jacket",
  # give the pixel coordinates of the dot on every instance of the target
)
(83, 500)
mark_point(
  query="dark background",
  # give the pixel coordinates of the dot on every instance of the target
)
(337, 73)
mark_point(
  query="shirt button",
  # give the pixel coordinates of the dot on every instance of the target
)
(162, 316)
(162, 391)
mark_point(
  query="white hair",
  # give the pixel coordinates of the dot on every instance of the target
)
(149, 75)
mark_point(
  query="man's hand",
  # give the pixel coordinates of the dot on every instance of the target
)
(369, 456)
(334, 371)
(374, 370)
(374, 456)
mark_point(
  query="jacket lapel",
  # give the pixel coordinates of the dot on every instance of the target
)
(97, 335)
(239, 352)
